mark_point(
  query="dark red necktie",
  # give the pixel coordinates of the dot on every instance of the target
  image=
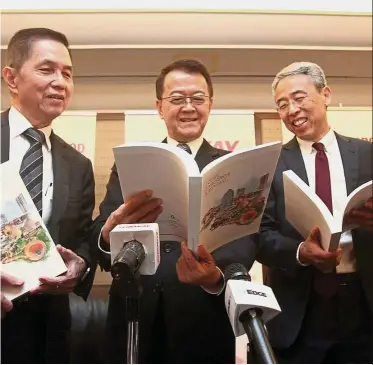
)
(323, 185)
(326, 284)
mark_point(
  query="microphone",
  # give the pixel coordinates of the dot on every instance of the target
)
(134, 248)
(250, 305)
(134, 251)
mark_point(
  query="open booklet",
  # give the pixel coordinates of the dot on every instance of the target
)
(27, 249)
(222, 203)
(305, 210)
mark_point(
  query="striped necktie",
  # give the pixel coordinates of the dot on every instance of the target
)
(185, 147)
(31, 170)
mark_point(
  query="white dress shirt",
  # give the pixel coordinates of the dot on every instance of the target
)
(193, 145)
(339, 190)
(19, 145)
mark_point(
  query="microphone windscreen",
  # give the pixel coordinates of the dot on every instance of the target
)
(236, 271)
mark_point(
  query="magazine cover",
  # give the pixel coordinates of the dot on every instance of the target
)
(234, 195)
(27, 250)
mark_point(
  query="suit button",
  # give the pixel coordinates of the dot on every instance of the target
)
(167, 248)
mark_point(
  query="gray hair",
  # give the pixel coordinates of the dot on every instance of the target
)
(314, 71)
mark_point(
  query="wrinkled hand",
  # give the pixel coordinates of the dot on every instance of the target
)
(312, 253)
(65, 283)
(8, 280)
(140, 208)
(362, 217)
(198, 271)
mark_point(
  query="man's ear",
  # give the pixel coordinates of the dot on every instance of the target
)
(158, 104)
(327, 94)
(211, 104)
(10, 77)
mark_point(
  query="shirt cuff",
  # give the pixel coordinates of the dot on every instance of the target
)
(299, 262)
(221, 282)
(99, 244)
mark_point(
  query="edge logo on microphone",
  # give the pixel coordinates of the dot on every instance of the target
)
(253, 292)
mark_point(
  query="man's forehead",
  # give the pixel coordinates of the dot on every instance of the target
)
(291, 84)
(48, 47)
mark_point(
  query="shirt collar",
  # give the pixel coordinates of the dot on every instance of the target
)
(194, 145)
(328, 140)
(18, 124)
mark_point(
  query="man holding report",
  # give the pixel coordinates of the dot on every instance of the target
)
(179, 322)
(38, 73)
(326, 297)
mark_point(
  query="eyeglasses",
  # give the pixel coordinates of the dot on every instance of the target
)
(183, 100)
(284, 106)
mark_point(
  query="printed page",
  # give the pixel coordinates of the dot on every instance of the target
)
(235, 189)
(27, 249)
(166, 170)
(305, 210)
(356, 200)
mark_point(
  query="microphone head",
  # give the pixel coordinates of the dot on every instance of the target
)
(236, 271)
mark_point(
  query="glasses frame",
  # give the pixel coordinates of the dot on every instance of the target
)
(293, 102)
(187, 99)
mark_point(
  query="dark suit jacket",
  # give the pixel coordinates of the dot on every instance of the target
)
(44, 317)
(278, 240)
(196, 323)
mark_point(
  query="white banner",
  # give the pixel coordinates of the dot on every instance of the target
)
(79, 130)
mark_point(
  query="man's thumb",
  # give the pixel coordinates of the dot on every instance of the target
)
(203, 254)
(315, 235)
(64, 252)
(7, 279)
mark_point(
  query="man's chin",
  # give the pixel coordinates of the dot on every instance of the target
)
(188, 136)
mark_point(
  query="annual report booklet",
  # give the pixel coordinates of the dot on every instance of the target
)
(223, 202)
(27, 249)
(305, 210)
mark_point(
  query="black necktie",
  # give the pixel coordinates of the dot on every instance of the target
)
(185, 147)
(31, 170)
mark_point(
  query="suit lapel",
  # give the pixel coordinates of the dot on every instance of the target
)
(293, 159)
(349, 155)
(61, 172)
(5, 136)
(206, 154)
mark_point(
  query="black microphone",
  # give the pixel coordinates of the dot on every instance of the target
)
(249, 301)
(134, 252)
(128, 260)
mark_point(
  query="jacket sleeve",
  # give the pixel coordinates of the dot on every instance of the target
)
(112, 201)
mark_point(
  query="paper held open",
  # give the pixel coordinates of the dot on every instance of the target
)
(305, 210)
(223, 202)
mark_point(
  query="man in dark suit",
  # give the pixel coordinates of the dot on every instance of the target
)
(326, 297)
(179, 322)
(38, 74)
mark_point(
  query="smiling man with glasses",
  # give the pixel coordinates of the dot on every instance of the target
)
(182, 314)
(326, 297)
(184, 94)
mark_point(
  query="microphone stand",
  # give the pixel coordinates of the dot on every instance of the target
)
(130, 290)
(259, 350)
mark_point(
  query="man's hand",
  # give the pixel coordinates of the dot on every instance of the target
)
(140, 208)
(312, 253)
(362, 217)
(198, 271)
(65, 283)
(8, 280)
